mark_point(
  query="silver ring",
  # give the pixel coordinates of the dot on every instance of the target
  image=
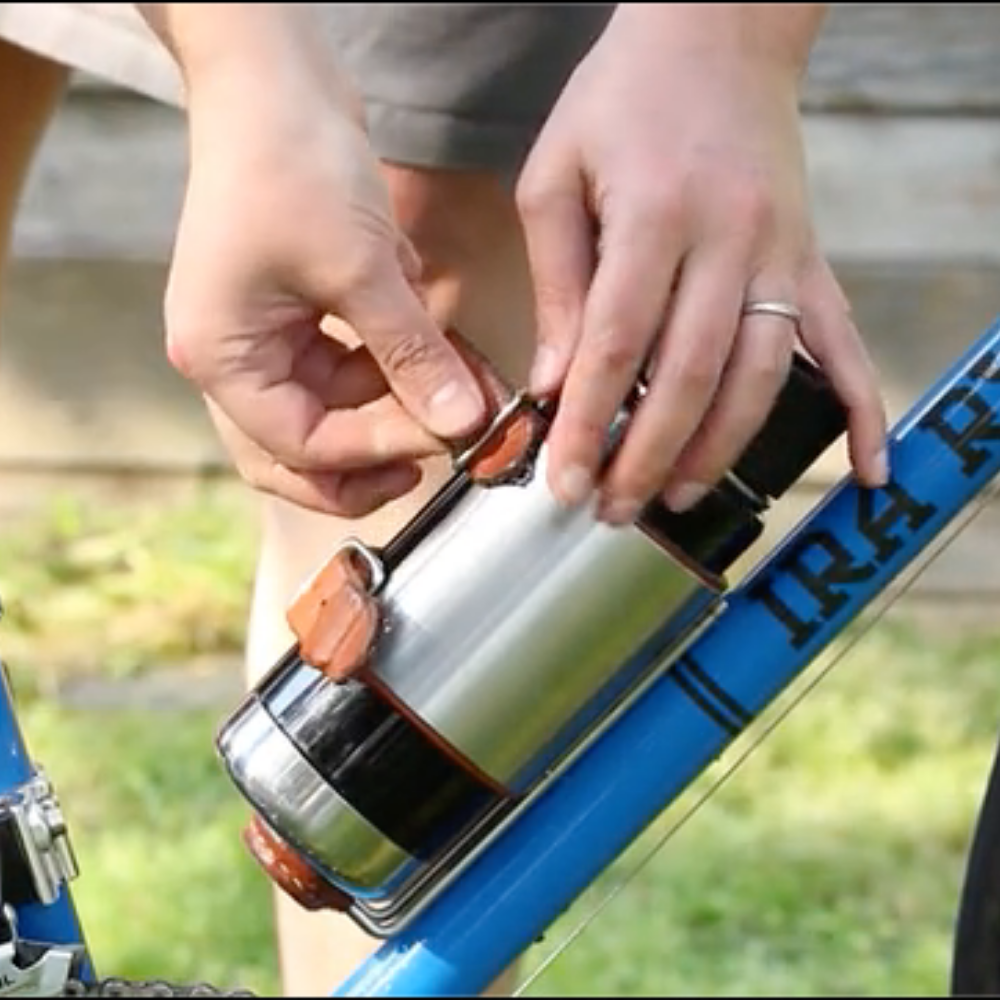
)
(784, 309)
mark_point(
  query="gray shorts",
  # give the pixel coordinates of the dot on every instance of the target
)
(465, 84)
(446, 85)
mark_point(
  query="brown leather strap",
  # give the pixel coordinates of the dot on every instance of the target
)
(510, 446)
(335, 618)
(290, 871)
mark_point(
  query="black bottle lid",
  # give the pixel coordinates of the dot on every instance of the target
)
(807, 417)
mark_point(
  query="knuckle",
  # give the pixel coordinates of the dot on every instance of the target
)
(614, 356)
(750, 205)
(412, 356)
(663, 204)
(697, 372)
(186, 354)
(534, 195)
(362, 267)
(582, 434)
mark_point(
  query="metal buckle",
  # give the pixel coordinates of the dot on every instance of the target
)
(376, 569)
(467, 457)
(42, 836)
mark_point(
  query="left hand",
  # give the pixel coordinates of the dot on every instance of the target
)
(666, 191)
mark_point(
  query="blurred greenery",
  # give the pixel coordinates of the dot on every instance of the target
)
(116, 589)
(829, 865)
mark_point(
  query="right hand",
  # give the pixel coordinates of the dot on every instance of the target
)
(286, 220)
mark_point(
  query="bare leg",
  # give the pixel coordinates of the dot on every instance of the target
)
(466, 230)
(30, 88)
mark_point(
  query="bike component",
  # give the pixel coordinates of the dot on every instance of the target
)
(145, 988)
(56, 922)
(32, 969)
(36, 857)
(441, 683)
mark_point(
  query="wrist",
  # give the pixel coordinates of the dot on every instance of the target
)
(776, 37)
(247, 55)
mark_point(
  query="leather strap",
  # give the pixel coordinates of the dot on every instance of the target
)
(504, 453)
(335, 618)
(290, 871)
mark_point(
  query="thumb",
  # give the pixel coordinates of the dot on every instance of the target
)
(423, 369)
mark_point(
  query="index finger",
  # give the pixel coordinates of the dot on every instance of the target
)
(424, 370)
(293, 425)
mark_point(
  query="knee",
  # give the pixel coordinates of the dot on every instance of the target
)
(465, 226)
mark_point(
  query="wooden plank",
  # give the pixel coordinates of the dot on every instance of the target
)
(109, 178)
(907, 58)
(902, 189)
(888, 58)
(84, 380)
(107, 181)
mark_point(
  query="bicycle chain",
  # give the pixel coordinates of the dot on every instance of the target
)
(150, 988)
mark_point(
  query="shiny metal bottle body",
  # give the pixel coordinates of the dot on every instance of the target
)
(499, 636)
(510, 628)
(514, 614)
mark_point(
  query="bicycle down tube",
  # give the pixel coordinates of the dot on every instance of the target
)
(837, 560)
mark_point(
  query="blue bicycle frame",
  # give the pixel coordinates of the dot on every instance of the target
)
(835, 562)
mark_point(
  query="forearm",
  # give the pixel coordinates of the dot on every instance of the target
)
(781, 35)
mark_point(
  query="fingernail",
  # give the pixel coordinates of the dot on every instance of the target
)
(573, 485)
(455, 408)
(544, 370)
(684, 496)
(881, 467)
(620, 512)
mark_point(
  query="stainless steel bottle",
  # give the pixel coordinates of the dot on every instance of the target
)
(507, 630)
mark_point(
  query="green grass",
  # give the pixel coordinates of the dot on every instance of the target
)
(829, 865)
(94, 589)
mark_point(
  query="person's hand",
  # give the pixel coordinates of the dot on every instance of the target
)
(666, 192)
(286, 220)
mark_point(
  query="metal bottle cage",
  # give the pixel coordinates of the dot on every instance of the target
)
(841, 556)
